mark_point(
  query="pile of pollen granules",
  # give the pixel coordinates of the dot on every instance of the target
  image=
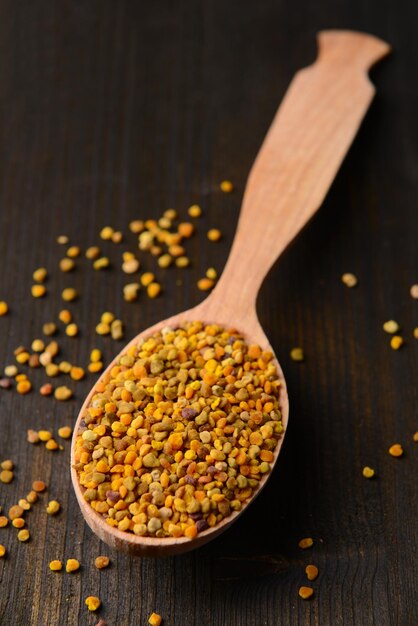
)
(179, 433)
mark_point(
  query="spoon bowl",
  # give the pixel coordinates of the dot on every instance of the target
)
(301, 154)
(167, 546)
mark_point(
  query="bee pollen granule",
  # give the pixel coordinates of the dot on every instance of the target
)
(55, 566)
(72, 565)
(368, 472)
(349, 280)
(396, 450)
(306, 592)
(311, 572)
(92, 603)
(101, 562)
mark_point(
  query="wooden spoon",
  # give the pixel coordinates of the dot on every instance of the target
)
(300, 156)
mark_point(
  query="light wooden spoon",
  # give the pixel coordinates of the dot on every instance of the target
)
(300, 156)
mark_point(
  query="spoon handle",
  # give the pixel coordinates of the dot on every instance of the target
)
(298, 160)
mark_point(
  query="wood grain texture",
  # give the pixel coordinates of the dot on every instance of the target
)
(111, 111)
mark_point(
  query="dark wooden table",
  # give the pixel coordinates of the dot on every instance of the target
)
(112, 111)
